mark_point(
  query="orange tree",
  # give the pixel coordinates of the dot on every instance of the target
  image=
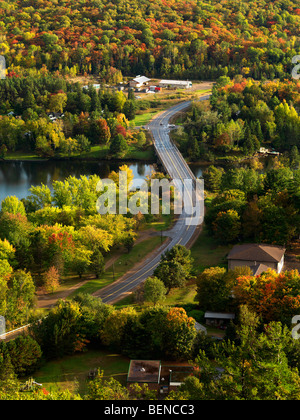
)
(275, 297)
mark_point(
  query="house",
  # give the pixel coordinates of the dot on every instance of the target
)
(53, 116)
(162, 378)
(218, 319)
(259, 257)
(176, 84)
(139, 82)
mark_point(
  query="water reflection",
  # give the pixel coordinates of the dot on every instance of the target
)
(17, 177)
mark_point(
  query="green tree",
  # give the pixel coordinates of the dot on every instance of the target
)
(227, 226)
(175, 267)
(40, 197)
(254, 367)
(109, 389)
(179, 334)
(118, 146)
(20, 298)
(25, 354)
(213, 178)
(81, 260)
(213, 292)
(13, 205)
(97, 263)
(129, 109)
(61, 332)
(154, 290)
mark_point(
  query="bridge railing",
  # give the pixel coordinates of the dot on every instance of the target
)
(12, 332)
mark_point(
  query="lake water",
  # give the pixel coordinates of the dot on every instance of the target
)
(17, 177)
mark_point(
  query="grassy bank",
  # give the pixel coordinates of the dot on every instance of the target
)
(100, 152)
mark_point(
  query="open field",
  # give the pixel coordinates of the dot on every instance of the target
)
(71, 372)
(207, 253)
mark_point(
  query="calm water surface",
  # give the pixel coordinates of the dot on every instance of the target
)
(17, 177)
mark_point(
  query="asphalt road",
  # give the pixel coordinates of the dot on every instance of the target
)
(185, 228)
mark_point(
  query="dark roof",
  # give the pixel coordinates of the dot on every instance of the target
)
(256, 252)
(218, 315)
(175, 373)
(144, 371)
(258, 269)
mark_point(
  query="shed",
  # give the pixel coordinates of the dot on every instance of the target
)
(218, 319)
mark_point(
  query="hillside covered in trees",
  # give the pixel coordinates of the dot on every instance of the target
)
(191, 39)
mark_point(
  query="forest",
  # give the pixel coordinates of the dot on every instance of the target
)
(243, 116)
(85, 117)
(184, 39)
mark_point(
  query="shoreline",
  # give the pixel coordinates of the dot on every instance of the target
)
(78, 159)
(218, 162)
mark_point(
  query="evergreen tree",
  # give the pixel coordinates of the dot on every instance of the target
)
(118, 146)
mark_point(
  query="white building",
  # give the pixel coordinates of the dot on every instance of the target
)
(139, 81)
(179, 84)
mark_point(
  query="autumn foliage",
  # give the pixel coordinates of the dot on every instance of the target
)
(272, 296)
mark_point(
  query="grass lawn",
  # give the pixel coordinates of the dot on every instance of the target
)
(179, 296)
(182, 296)
(23, 156)
(136, 153)
(145, 118)
(71, 372)
(208, 253)
(121, 266)
(161, 223)
(97, 152)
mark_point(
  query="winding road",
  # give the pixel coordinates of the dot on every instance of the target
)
(184, 230)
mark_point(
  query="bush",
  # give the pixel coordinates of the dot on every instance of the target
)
(197, 315)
